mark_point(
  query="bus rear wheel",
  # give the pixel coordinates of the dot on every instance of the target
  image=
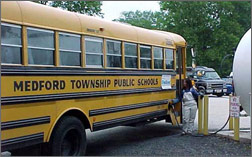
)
(68, 138)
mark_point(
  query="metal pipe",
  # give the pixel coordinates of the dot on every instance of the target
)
(223, 61)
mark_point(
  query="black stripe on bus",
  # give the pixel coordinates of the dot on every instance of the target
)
(125, 107)
(36, 98)
(128, 120)
(25, 122)
(22, 70)
(22, 141)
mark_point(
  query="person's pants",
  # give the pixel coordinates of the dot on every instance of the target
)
(189, 113)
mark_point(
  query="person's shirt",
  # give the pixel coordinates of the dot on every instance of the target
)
(194, 93)
(192, 90)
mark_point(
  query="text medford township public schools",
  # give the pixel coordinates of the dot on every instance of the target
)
(81, 84)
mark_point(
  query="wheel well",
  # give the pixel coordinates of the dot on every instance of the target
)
(201, 87)
(78, 114)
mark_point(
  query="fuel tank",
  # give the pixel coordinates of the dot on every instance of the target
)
(242, 71)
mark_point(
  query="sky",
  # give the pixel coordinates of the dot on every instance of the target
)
(112, 9)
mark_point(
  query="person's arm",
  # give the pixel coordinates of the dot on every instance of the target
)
(179, 99)
(182, 94)
(195, 93)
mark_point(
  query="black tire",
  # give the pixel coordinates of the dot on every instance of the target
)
(68, 138)
(220, 94)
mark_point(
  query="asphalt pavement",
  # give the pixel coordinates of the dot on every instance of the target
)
(160, 139)
(163, 139)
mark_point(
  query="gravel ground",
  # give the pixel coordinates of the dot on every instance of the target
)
(156, 139)
(161, 139)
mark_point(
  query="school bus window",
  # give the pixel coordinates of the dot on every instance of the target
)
(114, 54)
(70, 51)
(40, 46)
(169, 61)
(11, 44)
(145, 57)
(179, 60)
(94, 51)
(158, 58)
(130, 51)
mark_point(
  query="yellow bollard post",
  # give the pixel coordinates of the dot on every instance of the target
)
(236, 129)
(205, 129)
(231, 123)
(200, 115)
(231, 119)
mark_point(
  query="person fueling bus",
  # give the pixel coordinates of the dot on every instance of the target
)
(188, 98)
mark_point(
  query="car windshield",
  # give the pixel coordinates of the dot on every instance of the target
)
(227, 80)
(188, 74)
(211, 75)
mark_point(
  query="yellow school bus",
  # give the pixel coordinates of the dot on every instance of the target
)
(63, 73)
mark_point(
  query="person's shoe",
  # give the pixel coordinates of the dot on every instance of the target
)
(183, 133)
(189, 133)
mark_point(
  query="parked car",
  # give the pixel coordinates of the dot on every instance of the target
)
(189, 72)
(207, 81)
(229, 85)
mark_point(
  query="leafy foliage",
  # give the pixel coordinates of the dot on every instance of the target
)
(41, 2)
(213, 29)
(83, 7)
(145, 19)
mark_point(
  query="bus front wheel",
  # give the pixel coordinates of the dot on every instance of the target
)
(68, 138)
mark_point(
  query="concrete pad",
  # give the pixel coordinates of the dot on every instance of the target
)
(245, 135)
(217, 116)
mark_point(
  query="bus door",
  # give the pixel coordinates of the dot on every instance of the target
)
(179, 78)
(179, 70)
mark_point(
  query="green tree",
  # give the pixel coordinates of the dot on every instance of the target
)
(83, 7)
(42, 2)
(145, 19)
(212, 28)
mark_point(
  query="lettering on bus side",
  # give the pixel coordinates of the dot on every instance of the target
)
(81, 84)
(124, 82)
(39, 85)
(77, 84)
(147, 82)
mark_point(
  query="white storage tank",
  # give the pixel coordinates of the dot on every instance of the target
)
(242, 71)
